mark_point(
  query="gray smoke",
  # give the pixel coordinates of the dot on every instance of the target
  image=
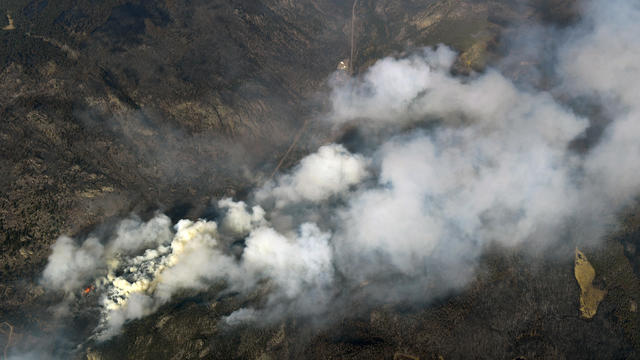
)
(452, 165)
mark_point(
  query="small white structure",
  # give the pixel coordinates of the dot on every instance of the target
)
(344, 65)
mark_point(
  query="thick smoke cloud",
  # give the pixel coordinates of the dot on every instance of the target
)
(145, 263)
(71, 265)
(460, 164)
(330, 171)
(387, 91)
(602, 62)
(497, 169)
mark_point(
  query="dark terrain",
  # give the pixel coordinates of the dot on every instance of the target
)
(113, 107)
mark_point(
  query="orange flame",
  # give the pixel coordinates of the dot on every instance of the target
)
(87, 290)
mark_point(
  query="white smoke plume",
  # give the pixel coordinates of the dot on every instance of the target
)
(483, 161)
(386, 92)
(238, 220)
(135, 280)
(602, 62)
(70, 265)
(330, 171)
